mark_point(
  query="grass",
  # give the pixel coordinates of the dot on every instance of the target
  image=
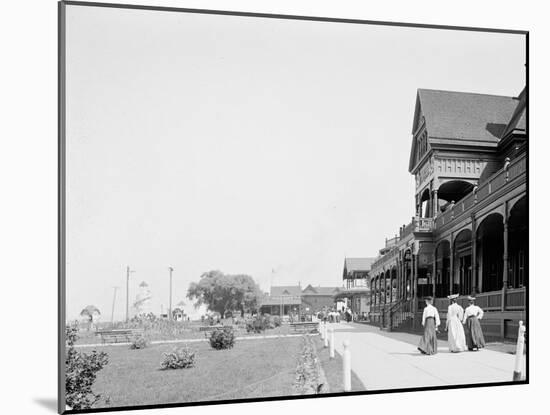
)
(259, 368)
(333, 369)
(184, 333)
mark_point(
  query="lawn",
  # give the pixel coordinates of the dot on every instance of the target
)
(333, 369)
(183, 333)
(258, 368)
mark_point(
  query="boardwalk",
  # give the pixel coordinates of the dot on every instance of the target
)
(390, 360)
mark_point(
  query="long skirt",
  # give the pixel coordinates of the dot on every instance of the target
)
(457, 338)
(428, 342)
(474, 334)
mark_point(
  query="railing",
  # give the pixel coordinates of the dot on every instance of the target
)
(514, 300)
(398, 313)
(391, 242)
(498, 180)
(423, 224)
(417, 224)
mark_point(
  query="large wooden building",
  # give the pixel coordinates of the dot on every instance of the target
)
(469, 233)
(291, 299)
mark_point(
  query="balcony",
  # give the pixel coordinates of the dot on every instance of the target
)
(496, 182)
(417, 225)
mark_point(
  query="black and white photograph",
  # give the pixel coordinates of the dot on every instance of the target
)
(259, 206)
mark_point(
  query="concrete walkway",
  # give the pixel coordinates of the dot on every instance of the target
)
(385, 361)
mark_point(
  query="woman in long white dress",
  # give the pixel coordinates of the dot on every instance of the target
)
(456, 336)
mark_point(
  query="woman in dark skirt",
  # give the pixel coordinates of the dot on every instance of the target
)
(430, 321)
(472, 328)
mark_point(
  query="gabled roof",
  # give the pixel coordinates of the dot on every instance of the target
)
(358, 264)
(477, 119)
(465, 115)
(311, 290)
(517, 123)
(294, 290)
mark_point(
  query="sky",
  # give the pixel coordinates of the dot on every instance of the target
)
(268, 147)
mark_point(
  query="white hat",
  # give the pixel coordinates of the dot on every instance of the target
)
(452, 296)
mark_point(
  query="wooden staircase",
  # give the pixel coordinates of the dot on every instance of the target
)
(399, 316)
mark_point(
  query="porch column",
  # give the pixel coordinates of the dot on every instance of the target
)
(452, 264)
(384, 288)
(404, 281)
(505, 265)
(474, 253)
(391, 287)
(436, 203)
(434, 269)
(429, 204)
(414, 281)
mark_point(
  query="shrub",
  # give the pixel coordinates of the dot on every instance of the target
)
(277, 321)
(222, 338)
(258, 325)
(139, 342)
(80, 373)
(179, 358)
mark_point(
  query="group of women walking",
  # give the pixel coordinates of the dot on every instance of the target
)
(462, 326)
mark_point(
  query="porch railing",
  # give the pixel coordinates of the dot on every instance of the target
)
(498, 180)
(514, 299)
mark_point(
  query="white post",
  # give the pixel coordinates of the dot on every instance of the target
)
(347, 367)
(320, 329)
(323, 334)
(331, 343)
(518, 367)
(326, 336)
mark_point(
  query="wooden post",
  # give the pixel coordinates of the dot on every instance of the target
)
(347, 367)
(518, 367)
(331, 342)
(434, 275)
(452, 264)
(505, 265)
(474, 254)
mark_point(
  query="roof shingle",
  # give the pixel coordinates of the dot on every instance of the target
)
(464, 115)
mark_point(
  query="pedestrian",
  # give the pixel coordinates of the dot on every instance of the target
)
(431, 322)
(453, 325)
(474, 334)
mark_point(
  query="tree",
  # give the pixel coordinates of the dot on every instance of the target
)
(222, 292)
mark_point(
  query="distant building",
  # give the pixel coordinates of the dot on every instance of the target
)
(179, 313)
(356, 281)
(283, 301)
(90, 316)
(142, 305)
(315, 299)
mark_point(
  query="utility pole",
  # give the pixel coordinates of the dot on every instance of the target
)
(170, 300)
(128, 272)
(113, 309)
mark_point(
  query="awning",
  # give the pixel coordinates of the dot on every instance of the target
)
(351, 292)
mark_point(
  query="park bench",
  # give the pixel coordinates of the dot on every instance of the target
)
(209, 329)
(305, 326)
(118, 335)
